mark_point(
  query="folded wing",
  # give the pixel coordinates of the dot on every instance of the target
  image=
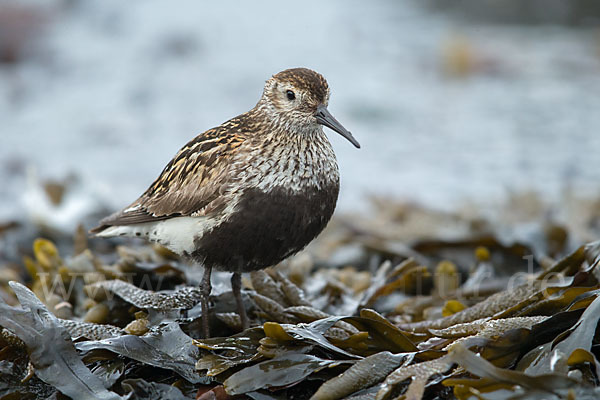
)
(192, 183)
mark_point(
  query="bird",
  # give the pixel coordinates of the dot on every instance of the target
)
(248, 193)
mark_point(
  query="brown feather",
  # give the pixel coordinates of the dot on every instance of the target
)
(192, 181)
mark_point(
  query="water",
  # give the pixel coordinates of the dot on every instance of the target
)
(116, 88)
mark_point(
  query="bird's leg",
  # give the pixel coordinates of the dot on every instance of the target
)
(236, 287)
(205, 289)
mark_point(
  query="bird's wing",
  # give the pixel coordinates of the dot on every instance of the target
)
(192, 183)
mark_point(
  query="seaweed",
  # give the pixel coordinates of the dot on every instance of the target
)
(455, 317)
(143, 390)
(281, 371)
(166, 346)
(50, 349)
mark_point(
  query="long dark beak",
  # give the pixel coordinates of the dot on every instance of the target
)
(324, 117)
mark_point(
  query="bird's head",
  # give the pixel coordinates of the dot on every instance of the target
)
(299, 97)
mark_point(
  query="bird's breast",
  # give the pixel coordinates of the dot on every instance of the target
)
(299, 167)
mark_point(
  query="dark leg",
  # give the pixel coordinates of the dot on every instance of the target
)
(205, 290)
(236, 286)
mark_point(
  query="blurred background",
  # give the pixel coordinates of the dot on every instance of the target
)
(479, 166)
(452, 101)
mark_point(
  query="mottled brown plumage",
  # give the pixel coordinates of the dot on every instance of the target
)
(246, 194)
(191, 181)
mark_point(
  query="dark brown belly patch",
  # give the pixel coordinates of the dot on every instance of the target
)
(266, 228)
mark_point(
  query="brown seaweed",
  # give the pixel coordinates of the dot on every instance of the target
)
(50, 348)
(281, 371)
(166, 346)
(427, 315)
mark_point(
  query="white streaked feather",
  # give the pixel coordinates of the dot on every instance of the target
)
(134, 208)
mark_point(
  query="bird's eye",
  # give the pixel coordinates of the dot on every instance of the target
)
(290, 95)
